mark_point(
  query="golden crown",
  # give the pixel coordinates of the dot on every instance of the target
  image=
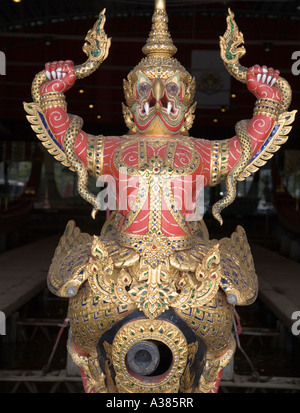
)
(159, 49)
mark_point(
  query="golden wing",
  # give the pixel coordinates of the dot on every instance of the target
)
(276, 139)
(67, 271)
(43, 132)
(238, 272)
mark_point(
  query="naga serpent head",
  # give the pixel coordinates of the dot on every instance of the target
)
(231, 44)
(97, 45)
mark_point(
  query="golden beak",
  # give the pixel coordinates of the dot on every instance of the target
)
(158, 89)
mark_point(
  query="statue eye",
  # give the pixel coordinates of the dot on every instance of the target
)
(144, 88)
(172, 88)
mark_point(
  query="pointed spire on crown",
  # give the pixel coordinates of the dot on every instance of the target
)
(159, 42)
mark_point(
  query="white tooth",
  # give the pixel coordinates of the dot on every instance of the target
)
(263, 78)
(264, 70)
(169, 107)
(48, 74)
(53, 73)
(258, 77)
(58, 74)
(146, 108)
(64, 74)
(273, 81)
(269, 79)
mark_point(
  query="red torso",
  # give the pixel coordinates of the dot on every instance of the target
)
(162, 175)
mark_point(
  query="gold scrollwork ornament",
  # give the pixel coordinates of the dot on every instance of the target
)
(145, 329)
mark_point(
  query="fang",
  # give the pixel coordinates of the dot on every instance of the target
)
(146, 108)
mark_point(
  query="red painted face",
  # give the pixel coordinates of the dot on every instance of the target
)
(159, 105)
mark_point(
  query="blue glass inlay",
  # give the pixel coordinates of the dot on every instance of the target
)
(49, 131)
(275, 129)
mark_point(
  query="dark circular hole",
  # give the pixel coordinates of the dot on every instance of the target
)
(143, 357)
(149, 358)
(166, 359)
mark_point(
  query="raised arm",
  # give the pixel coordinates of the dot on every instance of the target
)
(61, 77)
(256, 140)
(260, 82)
(225, 154)
(60, 132)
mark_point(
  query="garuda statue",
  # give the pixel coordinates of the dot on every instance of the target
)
(152, 299)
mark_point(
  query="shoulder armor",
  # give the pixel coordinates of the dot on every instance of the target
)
(67, 271)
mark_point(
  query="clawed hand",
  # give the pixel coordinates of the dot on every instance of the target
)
(268, 76)
(60, 75)
(261, 82)
(56, 70)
